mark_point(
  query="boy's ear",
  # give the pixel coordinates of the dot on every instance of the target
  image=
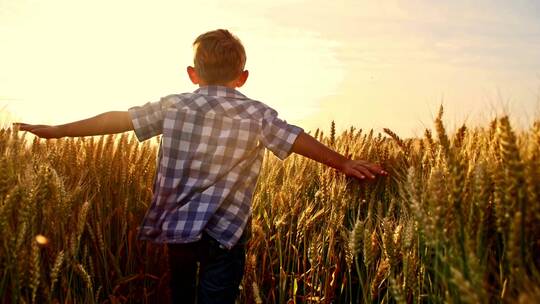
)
(193, 75)
(242, 78)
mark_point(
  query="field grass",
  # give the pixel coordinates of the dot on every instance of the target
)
(457, 220)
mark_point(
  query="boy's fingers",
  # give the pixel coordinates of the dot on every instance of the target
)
(31, 128)
(352, 171)
(375, 168)
(44, 131)
(19, 125)
(24, 128)
(365, 171)
(357, 174)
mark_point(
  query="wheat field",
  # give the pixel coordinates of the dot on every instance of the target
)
(457, 220)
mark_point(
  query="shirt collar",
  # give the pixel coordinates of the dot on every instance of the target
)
(220, 91)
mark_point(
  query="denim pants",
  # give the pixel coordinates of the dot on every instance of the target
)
(205, 272)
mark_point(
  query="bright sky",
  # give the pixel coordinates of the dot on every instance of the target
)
(361, 63)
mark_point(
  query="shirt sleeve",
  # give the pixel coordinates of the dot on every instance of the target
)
(148, 119)
(277, 135)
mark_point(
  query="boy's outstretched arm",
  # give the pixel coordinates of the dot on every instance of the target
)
(105, 123)
(309, 147)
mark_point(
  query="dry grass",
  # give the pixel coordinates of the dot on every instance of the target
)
(458, 220)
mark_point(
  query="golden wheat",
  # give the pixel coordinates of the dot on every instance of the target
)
(457, 220)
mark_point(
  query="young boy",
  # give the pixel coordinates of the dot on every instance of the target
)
(209, 160)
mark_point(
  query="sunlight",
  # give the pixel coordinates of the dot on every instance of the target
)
(368, 65)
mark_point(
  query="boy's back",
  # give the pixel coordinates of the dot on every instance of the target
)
(209, 160)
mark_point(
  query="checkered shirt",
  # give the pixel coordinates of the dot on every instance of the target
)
(209, 160)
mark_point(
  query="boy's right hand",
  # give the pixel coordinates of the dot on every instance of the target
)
(362, 169)
(43, 131)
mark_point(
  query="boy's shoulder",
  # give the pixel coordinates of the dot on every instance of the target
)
(235, 104)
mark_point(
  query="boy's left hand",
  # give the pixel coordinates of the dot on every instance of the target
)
(43, 131)
(362, 169)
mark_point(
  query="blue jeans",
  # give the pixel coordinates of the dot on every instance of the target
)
(219, 271)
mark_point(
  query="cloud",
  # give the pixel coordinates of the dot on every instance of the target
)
(486, 34)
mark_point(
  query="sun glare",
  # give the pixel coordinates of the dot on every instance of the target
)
(363, 64)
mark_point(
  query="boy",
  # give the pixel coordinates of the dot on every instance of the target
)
(209, 160)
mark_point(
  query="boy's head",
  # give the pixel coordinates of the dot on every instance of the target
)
(219, 60)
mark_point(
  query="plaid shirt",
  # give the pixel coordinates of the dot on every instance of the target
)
(209, 160)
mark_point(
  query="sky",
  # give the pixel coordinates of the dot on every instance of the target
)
(367, 64)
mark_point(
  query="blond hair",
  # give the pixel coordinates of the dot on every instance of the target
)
(219, 56)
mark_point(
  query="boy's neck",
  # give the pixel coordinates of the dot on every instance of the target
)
(217, 85)
(231, 84)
